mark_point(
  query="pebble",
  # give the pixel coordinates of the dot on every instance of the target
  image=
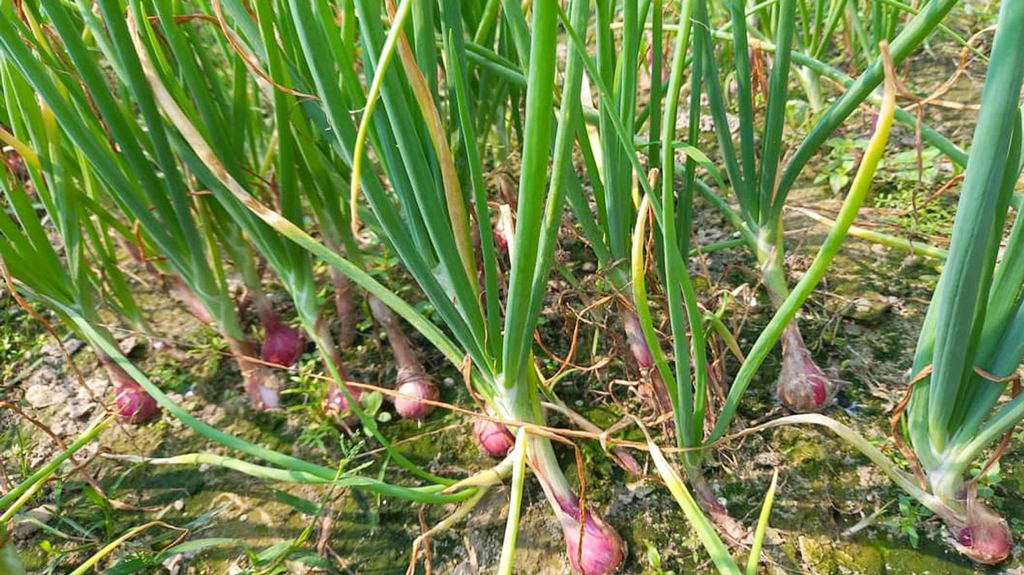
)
(40, 396)
(173, 563)
(44, 375)
(768, 459)
(77, 407)
(53, 350)
(65, 427)
(97, 382)
(132, 346)
(25, 528)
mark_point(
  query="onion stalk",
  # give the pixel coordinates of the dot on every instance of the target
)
(125, 180)
(412, 383)
(753, 177)
(969, 348)
(688, 381)
(713, 544)
(611, 172)
(34, 267)
(505, 374)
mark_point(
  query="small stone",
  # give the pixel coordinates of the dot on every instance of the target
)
(40, 396)
(768, 459)
(71, 346)
(27, 525)
(868, 307)
(173, 563)
(65, 427)
(133, 346)
(179, 504)
(77, 407)
(97, 382)
(46, 375)
(491, 511)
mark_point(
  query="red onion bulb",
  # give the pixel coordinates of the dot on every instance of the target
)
(282, 345)
(408, 403)
(134, 404)
(493, 438)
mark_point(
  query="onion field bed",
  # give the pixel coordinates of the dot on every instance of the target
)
(533, 337)
(861, 324)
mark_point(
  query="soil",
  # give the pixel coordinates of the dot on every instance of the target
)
(861, 325)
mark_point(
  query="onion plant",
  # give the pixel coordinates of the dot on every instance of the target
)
(218, 156)
(35, 268)
(607, 220)
(294, 145)
(424, 212)
(613, 164)
(131, 154)
(759, 179)
(189, 148)
(81, 270)
(441, 263)
(969, 349)
(688, 381)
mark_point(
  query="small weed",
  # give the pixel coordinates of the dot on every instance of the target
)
(987, 482)
(320, 433)
(840, 163)
(654, 561)
(909, 515)
(935, 218)
(21, 337)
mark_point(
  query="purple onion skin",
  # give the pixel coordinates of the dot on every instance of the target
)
(134, 405)
(985, 537)
(641, 352)
(260, 384)
(335, 401)
(603, 550)
(264, 398)
(282, 345)
(493, 438)
(802, 386)
(414, 389)
(500, 239)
